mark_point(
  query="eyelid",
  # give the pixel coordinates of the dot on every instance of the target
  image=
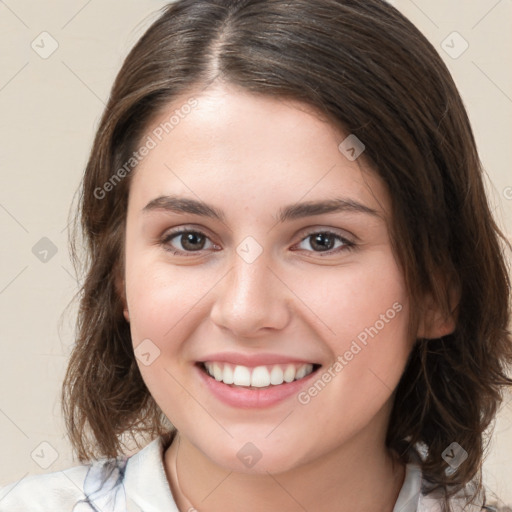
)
(348, 244)
(185, 228)
(304, 232)
(346, 235)
(347, 241)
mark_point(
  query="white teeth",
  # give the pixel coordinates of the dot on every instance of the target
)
(228, 374)
(289, 373)
(276, 376)
(258, 377)
(217, 371)
(301, 372)
(242, 376)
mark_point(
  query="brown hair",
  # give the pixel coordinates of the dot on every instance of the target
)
(372, 73)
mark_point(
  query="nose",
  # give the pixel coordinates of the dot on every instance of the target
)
(251, 299)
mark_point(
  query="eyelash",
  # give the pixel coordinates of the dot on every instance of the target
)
(347, 244)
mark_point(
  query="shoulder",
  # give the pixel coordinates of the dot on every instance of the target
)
(44, 492)
(76, 488)
(471, 498)
(108, 485)
(416, 496)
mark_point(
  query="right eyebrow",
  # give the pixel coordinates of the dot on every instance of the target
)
(184, 205)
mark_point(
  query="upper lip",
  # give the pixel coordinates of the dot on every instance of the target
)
(253, 360)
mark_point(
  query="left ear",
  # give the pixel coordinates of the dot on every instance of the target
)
(436, 321)
(121, 293)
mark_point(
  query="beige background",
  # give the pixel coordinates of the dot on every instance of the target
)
(49, 111)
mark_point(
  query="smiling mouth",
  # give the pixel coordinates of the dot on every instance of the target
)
(259, 377)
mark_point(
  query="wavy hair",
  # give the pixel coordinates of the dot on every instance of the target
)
(369, 71)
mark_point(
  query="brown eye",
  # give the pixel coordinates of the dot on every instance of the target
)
(325, 242)
(322, 241)
(192, 241)
(185, 241)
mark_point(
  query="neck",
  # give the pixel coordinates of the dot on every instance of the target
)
(359, 475)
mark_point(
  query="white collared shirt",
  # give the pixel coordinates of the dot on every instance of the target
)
(139, 484)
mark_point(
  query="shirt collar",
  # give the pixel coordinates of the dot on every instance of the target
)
(146, 484)
(147, 487)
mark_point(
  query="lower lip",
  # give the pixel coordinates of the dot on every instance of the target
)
(246, 398)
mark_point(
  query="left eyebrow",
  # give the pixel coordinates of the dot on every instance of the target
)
(178, 204)
(310, 208)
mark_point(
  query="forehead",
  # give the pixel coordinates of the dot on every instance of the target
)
(241, 147)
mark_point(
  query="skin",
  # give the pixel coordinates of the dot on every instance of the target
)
(250, 156)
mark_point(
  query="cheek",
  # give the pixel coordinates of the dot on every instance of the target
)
(160, 296)
(348, 301)
(364, 318)
(163, 302)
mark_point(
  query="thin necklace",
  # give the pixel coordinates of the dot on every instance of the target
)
(182, 494)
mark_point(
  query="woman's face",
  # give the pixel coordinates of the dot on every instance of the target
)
(288, 269)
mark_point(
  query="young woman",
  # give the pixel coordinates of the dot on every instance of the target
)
(296, 297)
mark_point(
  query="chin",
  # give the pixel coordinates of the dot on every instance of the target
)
(256, 458)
